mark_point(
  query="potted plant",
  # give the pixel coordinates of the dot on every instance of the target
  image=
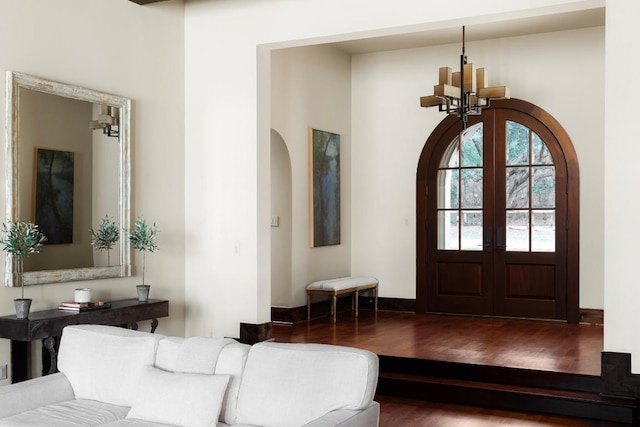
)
(107, 235)
(21, 239)
(144, 238)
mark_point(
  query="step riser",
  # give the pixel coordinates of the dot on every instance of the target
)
(504, 399)
(490, 374)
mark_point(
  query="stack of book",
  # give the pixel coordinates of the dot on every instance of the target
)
(83, 306)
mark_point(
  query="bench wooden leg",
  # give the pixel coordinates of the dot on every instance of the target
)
(375, 297)
(308, 307)
(334, 301)
(357, 296)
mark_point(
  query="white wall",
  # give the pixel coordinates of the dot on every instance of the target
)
(390, 130)
(119, 47)
(622, 290)
(311, 88)
(228, 121)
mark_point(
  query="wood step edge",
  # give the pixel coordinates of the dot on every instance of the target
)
(516, 389)
(488, 373)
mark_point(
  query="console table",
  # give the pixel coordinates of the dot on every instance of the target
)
(47, 325)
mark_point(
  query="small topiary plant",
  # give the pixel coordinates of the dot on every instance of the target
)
(106, 237)
(21, 239)
(144, 238)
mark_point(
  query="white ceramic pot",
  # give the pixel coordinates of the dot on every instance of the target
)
(82, 295)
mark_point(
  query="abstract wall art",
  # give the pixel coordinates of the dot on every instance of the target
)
(324, 183)
(53, 199)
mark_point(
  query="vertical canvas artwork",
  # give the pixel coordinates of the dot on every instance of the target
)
(53, 201)
(324, 187)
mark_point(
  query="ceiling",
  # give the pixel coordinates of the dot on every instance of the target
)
(486, 31)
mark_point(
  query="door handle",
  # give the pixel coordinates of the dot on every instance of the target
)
(486, 242)
(500, 240)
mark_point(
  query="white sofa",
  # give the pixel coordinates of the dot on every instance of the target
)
(117, 377)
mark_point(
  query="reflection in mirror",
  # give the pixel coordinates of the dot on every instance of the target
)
(68, 168)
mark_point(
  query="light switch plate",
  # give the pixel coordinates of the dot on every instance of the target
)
(3, 372)
(275, 221)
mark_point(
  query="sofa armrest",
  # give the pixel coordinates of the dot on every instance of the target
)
(368, 417)
(34, 393)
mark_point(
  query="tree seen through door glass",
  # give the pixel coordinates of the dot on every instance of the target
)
(460, 192)
(530, 191)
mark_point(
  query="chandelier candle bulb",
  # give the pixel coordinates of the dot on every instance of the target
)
(494, 92)
(446, 90)
(469, 78)
(430, 101)
(455, 79)
(482, 78)
(445, 75)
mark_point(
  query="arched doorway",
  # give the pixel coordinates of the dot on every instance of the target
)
(281, 222)
(498, 216)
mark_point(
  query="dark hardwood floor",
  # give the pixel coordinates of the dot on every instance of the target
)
(514, 343)
(398, 411)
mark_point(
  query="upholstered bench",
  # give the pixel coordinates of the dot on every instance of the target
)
(342, 286)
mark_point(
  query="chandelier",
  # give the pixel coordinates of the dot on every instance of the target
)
(475, 93)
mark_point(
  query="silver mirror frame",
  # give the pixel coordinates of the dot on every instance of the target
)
(15, 81)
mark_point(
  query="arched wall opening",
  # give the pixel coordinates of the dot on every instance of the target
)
(280, 222)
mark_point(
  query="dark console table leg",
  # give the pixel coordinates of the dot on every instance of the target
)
(19, 361)
(154, 325)
(133, 326)
(50, 356)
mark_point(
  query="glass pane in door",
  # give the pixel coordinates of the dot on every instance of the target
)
(541, 154)
(448, 193)
(471, 183)
(543, 187)
(471, 229)
(518, 231)
(448, 234)
(517, 187)
(543, 233)
(517, 144)
(472, 147)
(451, 156)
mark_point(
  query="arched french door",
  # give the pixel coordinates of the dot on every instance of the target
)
(497, 212)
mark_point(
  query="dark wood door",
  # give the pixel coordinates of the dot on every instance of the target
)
(459, 266)
(495, 214)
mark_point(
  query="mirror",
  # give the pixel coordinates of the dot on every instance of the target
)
(68, 168)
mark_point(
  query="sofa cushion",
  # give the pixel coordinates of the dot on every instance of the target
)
(195, 355)
(199, 355)
(104, 363)
(32, 394)
(287, 385)
(231, 362)
(85, 413)
(181, 399)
